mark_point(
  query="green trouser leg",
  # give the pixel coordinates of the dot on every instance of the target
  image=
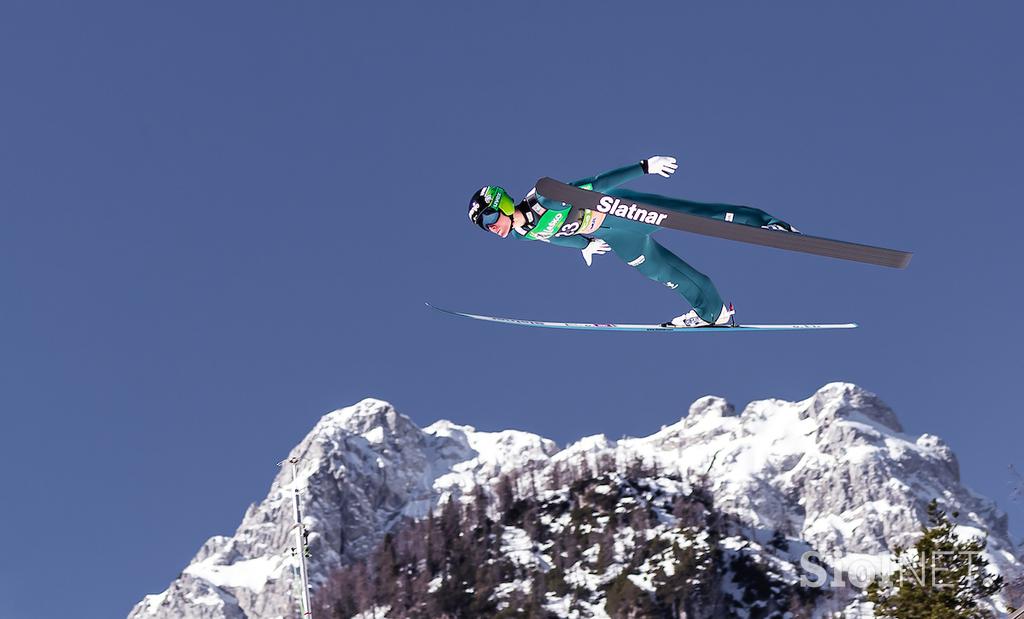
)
(632, 242)
(745, 215)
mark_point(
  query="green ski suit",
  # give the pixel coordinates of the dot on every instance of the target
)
(631, 240)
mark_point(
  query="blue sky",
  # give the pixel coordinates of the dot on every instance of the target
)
(221, 221)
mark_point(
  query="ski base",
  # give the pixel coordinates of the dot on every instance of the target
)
(843, 250)
(588, 326)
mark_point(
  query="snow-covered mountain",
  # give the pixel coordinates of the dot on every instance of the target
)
(833, 473)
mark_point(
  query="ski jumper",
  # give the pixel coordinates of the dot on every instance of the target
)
(631, 240)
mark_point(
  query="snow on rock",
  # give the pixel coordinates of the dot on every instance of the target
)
(251, 574)
(361, 469)
(834, 470)
(190, 597)
(493, 453)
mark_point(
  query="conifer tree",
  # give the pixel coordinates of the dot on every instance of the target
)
(505, 493)
(944, 578)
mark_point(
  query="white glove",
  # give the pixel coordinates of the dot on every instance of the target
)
(595, 247)
(662, 165)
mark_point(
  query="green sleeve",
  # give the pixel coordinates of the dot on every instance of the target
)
(614, 178)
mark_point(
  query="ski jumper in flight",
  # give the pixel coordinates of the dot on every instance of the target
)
(494, 210)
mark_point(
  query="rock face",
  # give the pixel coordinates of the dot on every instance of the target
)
(834, 472)
(361, 469)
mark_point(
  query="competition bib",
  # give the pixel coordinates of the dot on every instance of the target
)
(565, 222)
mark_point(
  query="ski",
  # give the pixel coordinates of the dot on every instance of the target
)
(609, 205)
(588, 326)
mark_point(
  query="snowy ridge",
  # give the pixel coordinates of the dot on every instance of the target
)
(834, 472)
(363, 468)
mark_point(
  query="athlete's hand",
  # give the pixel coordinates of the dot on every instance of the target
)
(595, 247)
(659, 164)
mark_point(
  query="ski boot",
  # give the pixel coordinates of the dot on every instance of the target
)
(781, 226)
(690, 319)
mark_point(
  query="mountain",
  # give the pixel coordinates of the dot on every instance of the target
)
(743, 495)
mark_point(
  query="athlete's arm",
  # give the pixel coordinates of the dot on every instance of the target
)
(614, 178)
(658, 164)
(589, 247)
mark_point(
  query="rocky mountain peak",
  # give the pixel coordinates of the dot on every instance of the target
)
(833, 473)
(369, 415)
(709, 407)
(848, 401)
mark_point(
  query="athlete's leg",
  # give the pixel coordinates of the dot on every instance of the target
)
(661, 265)
(746, 215)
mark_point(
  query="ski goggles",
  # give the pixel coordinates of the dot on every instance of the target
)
(488, 205)
(490, 216)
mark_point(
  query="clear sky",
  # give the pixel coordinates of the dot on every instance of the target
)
(219, 221)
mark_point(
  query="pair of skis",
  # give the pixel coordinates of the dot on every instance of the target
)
(594, 326)
(582, 199)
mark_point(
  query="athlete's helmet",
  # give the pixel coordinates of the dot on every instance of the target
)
(488, 203)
